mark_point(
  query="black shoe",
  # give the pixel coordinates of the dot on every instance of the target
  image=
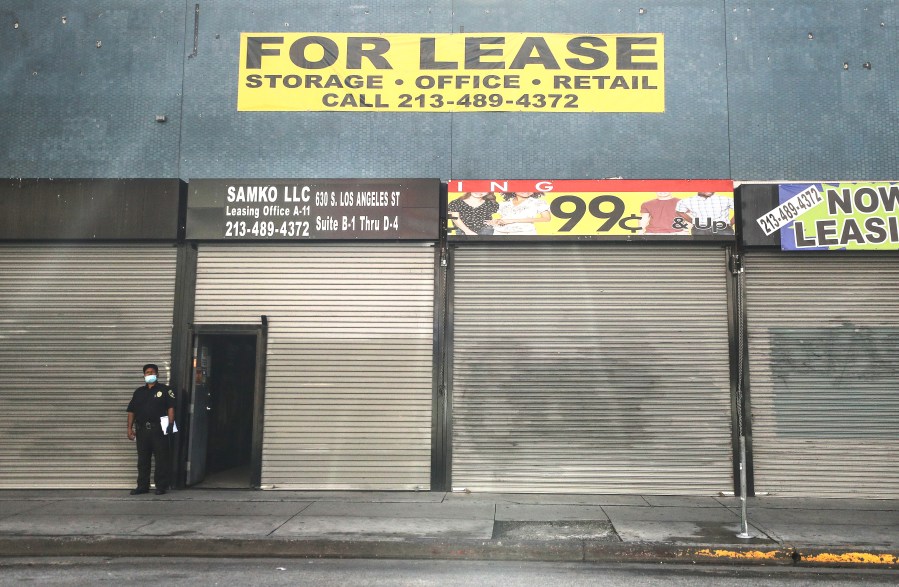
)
(139, 491)
(160, 492)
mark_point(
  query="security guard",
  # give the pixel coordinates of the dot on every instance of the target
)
(148, 405)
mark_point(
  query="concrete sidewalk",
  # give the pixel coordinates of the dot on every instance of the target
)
(198, 522)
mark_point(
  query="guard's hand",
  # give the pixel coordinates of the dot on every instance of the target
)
(130, 434)
(171, 428)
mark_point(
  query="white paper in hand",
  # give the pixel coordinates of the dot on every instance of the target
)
(164, 421)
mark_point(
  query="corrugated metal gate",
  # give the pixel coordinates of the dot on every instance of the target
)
(590, 369)
(350, 357)
(78, 322)
(823, 348)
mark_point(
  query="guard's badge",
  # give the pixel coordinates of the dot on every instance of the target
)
(158, 394)
(171, 394)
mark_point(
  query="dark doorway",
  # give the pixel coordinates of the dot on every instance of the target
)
(231, 405)
(225, 389)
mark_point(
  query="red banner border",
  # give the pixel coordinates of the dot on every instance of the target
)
(590, 185)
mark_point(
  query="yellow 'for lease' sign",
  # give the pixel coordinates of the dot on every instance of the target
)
(478, 72)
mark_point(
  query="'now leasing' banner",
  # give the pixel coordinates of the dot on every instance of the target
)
(836, 216)
(483, 72)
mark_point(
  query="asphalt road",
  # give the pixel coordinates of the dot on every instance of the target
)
(348, 573)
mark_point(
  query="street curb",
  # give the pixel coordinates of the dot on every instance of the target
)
(555, 551)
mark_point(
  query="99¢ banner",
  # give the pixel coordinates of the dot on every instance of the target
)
(585, 209)
(483, 72)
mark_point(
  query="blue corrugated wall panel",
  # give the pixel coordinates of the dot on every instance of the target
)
(81, 84)
(689, 140)
(749, 94)
(796, 112)
(219, 141)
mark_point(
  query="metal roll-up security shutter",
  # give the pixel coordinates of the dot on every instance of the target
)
(349, 372)
(78, 323)
(823, 352)
(591, 369)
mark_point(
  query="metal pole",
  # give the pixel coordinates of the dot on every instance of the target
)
(743, 516)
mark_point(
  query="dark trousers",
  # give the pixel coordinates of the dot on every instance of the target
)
(152, 442)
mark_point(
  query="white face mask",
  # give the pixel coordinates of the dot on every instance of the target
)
(150, 378)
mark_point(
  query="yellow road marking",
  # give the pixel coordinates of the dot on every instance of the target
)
(749, 554)
(853, 557)
(824, 557)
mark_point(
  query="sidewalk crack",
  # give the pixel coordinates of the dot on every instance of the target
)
(772, 535)
(142, 526)
(303, 509)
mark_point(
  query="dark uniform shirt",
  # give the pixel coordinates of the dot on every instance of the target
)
(151, 404)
